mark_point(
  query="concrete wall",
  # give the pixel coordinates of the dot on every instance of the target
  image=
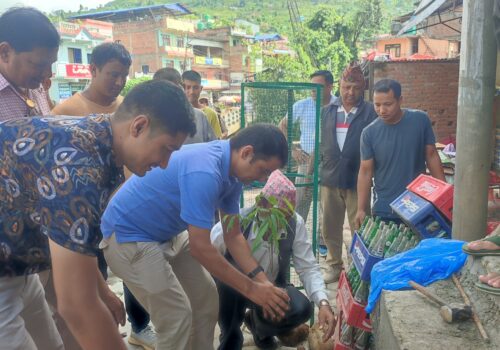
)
(404, 42)
(434, 47)
(431, 86)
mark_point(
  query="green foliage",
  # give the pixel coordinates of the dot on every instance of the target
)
(269, 221)
(133, 82)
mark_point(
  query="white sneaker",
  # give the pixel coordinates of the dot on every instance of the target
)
(145, 338)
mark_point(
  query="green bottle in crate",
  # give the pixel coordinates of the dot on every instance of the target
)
(366, 230)
(364, 224)
(393, 234)
(351, 272)
(372, 235)
(346, 334)
(376, 238)
(373, 231)
(362, 292)
(361, 339)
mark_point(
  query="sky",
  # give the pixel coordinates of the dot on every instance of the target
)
(51, 5)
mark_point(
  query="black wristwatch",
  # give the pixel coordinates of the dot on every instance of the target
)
(255, 271)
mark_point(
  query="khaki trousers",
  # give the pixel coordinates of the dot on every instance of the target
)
(178, 293)
(335, 202)
(26, 321)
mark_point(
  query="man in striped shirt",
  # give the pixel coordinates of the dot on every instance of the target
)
(25, 61)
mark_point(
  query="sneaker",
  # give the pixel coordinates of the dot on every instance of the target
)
(145, 338)
(267, 343)
(323, 250)
(332, 274)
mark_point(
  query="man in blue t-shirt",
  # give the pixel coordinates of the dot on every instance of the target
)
(395, 149)
(157, 235)
(304, 112)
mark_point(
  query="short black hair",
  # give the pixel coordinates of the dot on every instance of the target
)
(164, 103)
(169, 74)
(192, 75)
(266, 139)
(386, 85)
(26, 28)
(105, 52)
(325, 74)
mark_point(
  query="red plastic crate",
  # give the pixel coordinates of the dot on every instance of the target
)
(435, 191)
(354, 312)
(336, 336)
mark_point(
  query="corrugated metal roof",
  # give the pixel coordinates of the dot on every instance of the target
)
(424, 10)
(268, 37)
(412, 60)
(175, 9)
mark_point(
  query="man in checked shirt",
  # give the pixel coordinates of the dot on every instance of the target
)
(28, 47)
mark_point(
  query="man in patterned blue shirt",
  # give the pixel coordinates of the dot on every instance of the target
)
(56, 178)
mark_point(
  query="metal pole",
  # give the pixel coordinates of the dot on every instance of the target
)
(475, 113)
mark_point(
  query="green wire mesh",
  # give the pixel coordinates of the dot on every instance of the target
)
(291, 106)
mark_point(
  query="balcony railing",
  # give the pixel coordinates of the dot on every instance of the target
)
(210, 61)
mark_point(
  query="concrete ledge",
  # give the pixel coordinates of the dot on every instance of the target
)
(407, 320)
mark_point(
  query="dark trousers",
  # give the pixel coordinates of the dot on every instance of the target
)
(232, 307)
(137, 316)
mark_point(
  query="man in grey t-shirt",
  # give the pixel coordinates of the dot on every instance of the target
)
(395, 149)
(204, 131)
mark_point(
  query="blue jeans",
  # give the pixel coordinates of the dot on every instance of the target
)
(137, 316)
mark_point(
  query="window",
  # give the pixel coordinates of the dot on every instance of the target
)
(414, 46)
(166, 40)
(394, 50)
(145, 68)
(74, 55)
(180, 42)
(169, 63)
(89, 56)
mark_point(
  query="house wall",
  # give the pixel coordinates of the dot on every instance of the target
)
(404, 42)
(434, 47)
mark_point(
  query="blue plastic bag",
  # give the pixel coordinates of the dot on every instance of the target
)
(431, 260)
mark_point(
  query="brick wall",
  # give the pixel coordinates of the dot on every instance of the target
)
(141, 39)
(431, 86)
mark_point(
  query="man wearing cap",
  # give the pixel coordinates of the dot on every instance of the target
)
(276, 264)
(341, 124)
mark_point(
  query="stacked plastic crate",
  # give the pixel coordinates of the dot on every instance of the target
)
(426, 207)
(374, 241)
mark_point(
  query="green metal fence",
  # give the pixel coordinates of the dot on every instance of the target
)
(292, 107)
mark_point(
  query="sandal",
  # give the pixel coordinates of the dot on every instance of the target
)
(484, 252)
(487, 288)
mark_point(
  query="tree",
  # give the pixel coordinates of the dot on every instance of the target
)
(366, 21)
(133, 82)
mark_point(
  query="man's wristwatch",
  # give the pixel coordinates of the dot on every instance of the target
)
(324, 302)
(255, 272)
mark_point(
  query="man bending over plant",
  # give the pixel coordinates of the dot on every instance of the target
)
(276, 234)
